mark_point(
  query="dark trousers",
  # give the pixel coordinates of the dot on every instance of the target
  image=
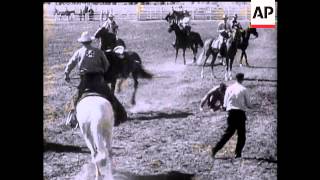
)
(95, 83)
(236, 121)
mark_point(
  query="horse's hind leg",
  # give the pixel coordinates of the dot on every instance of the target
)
(175, 61)
(184, 56)
(85, 129)
(194, 50)
(135, 79)
(214, 56)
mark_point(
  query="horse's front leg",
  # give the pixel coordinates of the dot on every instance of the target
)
(245, 56)
(230, 67)
(98, 173)
(242, 54)
(133, 98)
(227, 69)
(184, 58)
(204, 63)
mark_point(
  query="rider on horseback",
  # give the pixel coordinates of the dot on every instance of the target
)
(235, 23)
(107, 41)
(224, 28)
(184, 25)
(111, 25)
(92, 64)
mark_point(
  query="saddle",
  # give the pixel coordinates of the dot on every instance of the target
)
(88, 93)
(71, 119)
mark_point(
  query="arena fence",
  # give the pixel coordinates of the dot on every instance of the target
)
(156, 12)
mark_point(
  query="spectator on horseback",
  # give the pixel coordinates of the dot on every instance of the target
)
(224, 28)
(235, 23)
(185, 27)
(214, 97)
(92, 64)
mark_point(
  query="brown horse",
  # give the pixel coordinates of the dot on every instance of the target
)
(228, 50)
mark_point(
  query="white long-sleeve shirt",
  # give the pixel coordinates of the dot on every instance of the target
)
(237, 97)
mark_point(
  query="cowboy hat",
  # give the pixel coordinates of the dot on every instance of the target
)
(118, 49)
(85, 37)
(224, 16)
(110, 16)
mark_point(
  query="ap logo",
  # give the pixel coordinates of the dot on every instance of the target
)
(263, 13)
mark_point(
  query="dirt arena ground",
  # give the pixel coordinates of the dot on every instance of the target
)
(166, 131)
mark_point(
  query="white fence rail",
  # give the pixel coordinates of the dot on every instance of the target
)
(158, 12)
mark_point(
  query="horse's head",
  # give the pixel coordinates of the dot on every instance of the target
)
(237, 35)
(253, 31)
(173, 27)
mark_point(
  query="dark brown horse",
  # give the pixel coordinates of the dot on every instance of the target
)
(183, 41)
(244, 43)
(122, 67)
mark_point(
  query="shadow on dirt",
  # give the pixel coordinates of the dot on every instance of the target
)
(265, 80)
(64, 148)
(260, 67)
(159, 115)
(269, 160)
(173, 175)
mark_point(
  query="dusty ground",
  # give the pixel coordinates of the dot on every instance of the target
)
(166, 130)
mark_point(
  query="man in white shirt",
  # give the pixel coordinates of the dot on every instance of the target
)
(236, 100)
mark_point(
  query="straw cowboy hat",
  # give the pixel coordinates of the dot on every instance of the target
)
(85, 37)
(118, 49)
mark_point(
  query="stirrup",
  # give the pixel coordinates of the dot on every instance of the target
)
(72, 120)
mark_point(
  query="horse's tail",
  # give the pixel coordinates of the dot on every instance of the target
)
(205, 48)
(199, 40)
(137, 63)
(200, 57)
(142, 73)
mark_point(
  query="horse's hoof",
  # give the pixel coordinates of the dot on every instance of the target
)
(240, 65)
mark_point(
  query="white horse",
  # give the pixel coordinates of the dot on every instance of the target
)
(96, 119)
